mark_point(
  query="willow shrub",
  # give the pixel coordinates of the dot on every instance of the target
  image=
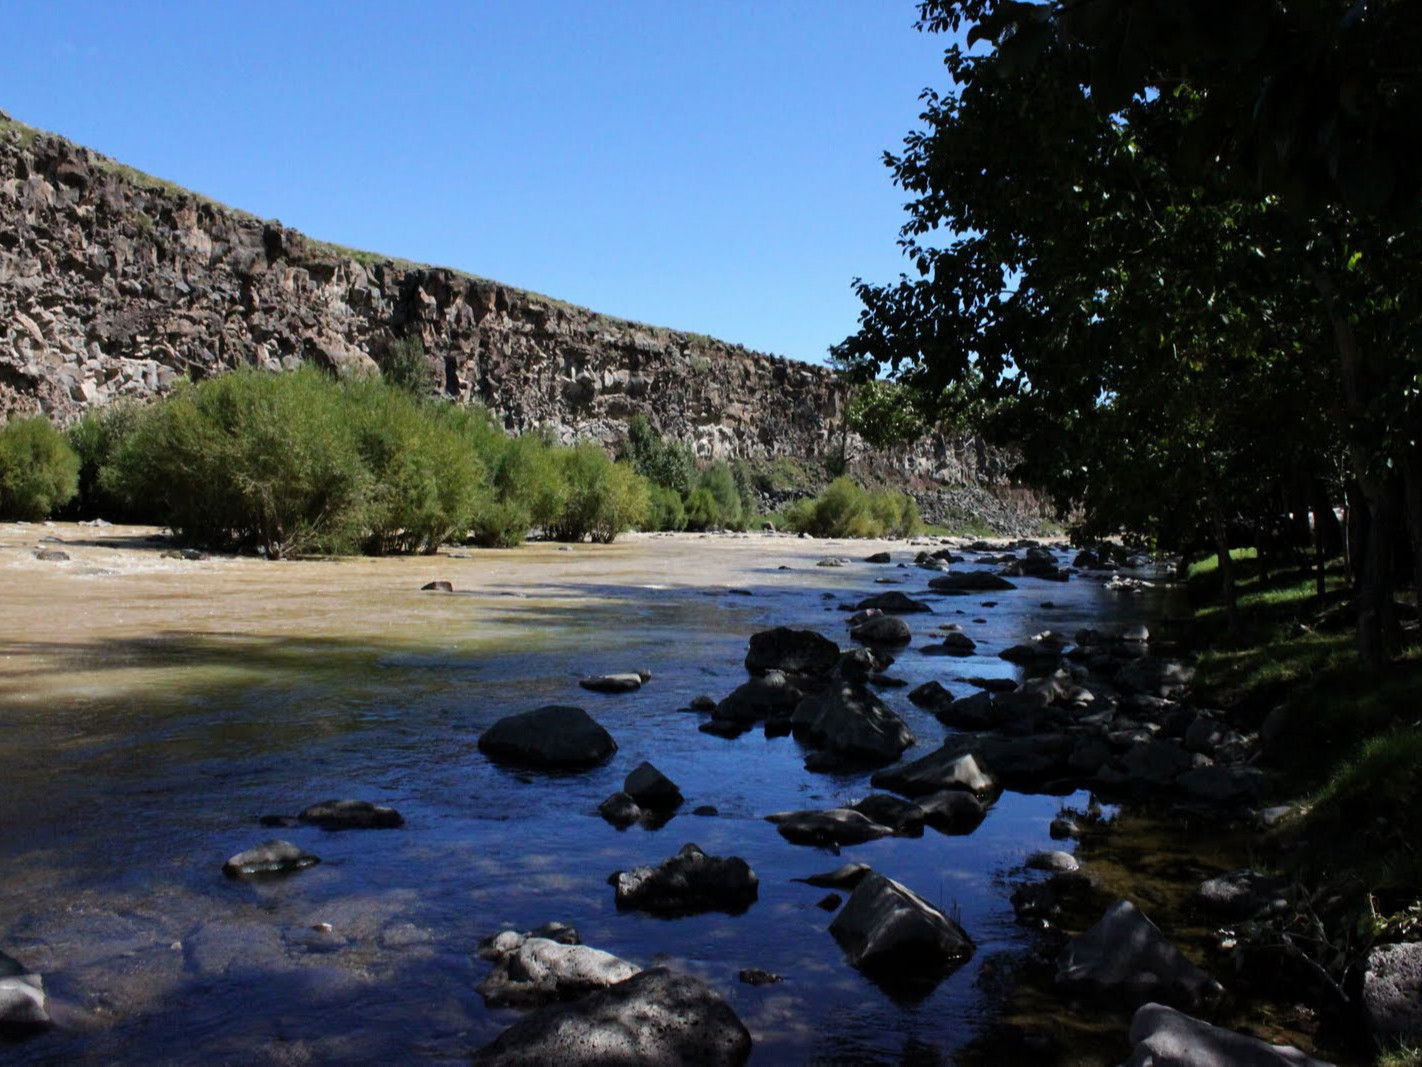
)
(603, 499)
(715, 503)
(250, 460)
(846, 510)
(428, 483)
(39, 471)
(94, 438)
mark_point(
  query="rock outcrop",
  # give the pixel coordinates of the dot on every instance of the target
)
(116, 284)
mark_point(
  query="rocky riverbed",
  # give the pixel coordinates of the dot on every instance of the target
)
(800, 844)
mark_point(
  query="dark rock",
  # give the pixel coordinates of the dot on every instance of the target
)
(931, 696)
(1223, 784)
(992, 685)
(1064, 828)
(963, 582)
(832, 827)
(1035, 900)
(794, 652)
(535, 970)
(976, 712)
(879, 557)
(702, 703)
(1125, 957)
(1164, 1037)
(1392, 992)
(758, 976)
(627, 682)
(351, 815)
(52, 555)
(893, 603)
(887, 930)
(952, 811)
(554, 736)
(943, 769)
(953, 644)
(654, 1017)
(270, 857)
(651, 789)
(882, 630)
(903, 817)
(438, 587)
(851, 723)
(846, 877)
(620, 810)
(829, 902)
(687, 883)
(1154, 676)
(706, 810)
(758, 699)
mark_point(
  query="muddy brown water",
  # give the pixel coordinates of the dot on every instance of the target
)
(151, 709)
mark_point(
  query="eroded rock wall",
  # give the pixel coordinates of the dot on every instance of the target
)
(114, 284)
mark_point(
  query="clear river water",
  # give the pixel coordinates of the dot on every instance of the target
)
(151, 709)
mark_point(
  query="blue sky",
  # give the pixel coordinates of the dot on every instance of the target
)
(708, 166)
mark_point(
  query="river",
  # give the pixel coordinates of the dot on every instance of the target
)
(151, 709)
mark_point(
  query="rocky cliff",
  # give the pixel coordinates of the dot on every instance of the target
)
(115, 284)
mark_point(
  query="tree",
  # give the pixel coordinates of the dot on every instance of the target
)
(1143, 327)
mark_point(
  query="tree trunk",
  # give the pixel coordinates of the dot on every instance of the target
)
(1412, 498)
(1220, 528)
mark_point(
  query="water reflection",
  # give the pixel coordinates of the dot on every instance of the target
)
(153, 713)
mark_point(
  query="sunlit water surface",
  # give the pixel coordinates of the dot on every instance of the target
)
(151, 709)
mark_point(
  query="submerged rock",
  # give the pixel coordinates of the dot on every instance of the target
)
(943, 769)
(1164, 1037)
(903, 817)
(23, 1004)
(846, 877)
(537, 970)
(834, 826)
(654, 1017)
(1126, 957)
(433, 587)
(620, 810)
(270, 857)
(627, 682)
(1240, 894)
(882, 630)
(952, 811)
(894, 603)
(687, 883)
(960, 582)
(553, 736)
(888, 930)
(351, 815)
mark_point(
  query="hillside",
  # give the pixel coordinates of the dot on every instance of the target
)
(116, 284)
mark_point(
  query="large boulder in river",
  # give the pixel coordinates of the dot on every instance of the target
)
(23, 1004)
(850, 723)
(651, 789)
(654, 1017)
(1392, 992)
(960, 583)
(268, 858)
(687, 883)
(1126, 958)
(351, 815)
(538, 970)
(834, 826)
(893, 602)
(1164, 1037)
(768, 697)
(943, 769)
(882, 630)
(801, 653)
(889, 930)
(553, 736)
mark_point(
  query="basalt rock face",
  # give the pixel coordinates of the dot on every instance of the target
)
(115, 284)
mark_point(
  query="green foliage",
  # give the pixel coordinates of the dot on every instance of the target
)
(39, 471)
(885, 414)
(531, 490)
(716, 501)
(665, 509)
(665, 463)
(407, 367)
(603, 498)
(427, 481)
(94, 438)
(249, 459)
(846, 510)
